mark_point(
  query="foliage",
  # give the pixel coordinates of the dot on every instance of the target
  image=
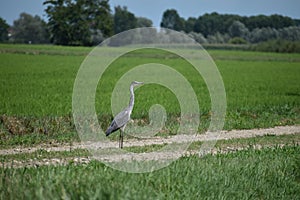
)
(189, 24)
(198, 37)
(80, 22)
(123, 20)
(273, 21)
(3, 30)
(87, 22)
(217, 28)
(237, 40)
(238, 29)
(172, 20)
(210, 24)
(144, 22)
(280, 46)
(263, 34)
(291, 33)
(29, 29)
(218, 38)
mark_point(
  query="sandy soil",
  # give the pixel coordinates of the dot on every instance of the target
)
(105, 154)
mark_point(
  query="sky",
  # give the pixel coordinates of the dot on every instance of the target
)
(153, 9)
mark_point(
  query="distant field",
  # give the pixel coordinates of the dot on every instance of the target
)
(262, 89)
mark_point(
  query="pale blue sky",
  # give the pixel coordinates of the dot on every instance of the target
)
(153, 9)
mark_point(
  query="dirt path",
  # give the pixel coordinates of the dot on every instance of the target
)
(223, 135)
(129, 156)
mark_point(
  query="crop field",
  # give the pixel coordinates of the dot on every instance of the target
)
(262, 90)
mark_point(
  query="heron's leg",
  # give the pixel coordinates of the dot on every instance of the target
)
(121, 139)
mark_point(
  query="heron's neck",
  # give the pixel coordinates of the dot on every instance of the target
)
(131, 101)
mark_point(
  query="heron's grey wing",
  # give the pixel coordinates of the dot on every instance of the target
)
(119, 121)
(112, 128)
(123, 117)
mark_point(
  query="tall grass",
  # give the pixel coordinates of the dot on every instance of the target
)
(272, 173)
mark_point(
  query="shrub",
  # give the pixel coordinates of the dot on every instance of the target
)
(237, 40)
(280, 46)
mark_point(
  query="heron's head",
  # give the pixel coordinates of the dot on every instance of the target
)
(135, 83)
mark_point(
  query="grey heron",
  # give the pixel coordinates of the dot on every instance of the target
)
(120, 121)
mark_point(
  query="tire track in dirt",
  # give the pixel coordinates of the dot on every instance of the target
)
(223, 135)
(110, 157)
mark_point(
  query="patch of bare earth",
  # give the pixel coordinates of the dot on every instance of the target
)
(129, 156)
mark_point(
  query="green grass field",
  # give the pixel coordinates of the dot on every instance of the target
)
(262, 89)
(249, 174)
(36, 87)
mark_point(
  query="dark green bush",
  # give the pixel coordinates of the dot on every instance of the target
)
(237, 40)
(280, 46)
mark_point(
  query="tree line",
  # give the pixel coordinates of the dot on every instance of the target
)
(70, 22)
(226, 28)
(210, 24)
(86, 23)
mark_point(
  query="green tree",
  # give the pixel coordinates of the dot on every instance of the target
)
(189, 24)
(278, 21)
(210, 24)
(198, 37)
(296, 22)
(263, 21)
(218, 38)
(81, 22)
(144, 22)
(123, 19)
(238, 29)
(237, 40)
(29, 29)
(291, 33)
(172, 20)
(58, 17)
(3, 30)
(263, 34)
